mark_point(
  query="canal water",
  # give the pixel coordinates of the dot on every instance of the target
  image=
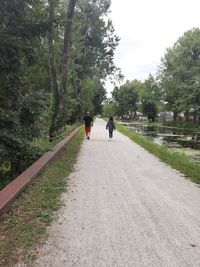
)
(182, 140)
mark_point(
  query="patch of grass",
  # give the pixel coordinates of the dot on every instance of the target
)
(24, 227)
(177, 160)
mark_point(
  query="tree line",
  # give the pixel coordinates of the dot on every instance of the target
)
(54, 58)
(174, 87)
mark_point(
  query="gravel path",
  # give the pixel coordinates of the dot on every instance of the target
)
(124, 208)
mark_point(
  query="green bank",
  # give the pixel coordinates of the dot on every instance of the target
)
(177, 160)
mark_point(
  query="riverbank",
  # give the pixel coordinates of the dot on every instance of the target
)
(185, 141)
(175, 159)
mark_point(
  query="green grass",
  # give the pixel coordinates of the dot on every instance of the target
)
(177, 160)
(24, 228)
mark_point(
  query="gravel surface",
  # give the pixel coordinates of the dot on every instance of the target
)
(124, 208)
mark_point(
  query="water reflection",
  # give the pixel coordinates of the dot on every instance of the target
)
(186, 139)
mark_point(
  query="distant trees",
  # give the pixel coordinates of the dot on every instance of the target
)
(126, 97)
(149, 98)
(137, 96)
(109, 108)
(175, 87)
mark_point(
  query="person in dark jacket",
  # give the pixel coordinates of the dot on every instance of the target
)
(110, 126)
(88, 124)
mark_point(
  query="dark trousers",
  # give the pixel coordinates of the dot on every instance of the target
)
(110, 133)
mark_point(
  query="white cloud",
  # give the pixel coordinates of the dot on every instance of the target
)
(146, 29)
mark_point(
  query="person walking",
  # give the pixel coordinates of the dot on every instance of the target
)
(110, 126)
(88, 124)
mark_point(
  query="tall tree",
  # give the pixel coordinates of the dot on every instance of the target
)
(59, 88)
(149, 97)
(94, 43)
(179, 74)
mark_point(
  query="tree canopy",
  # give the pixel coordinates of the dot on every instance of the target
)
(179, 74)
(54, 58)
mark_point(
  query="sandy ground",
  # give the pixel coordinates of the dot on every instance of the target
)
(124, 208)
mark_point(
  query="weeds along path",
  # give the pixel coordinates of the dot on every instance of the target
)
(124, 208)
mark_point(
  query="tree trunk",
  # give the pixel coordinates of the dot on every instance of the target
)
(65, 53)
(186, 115)
(59, 89)
(195, 117)
(53, 74)
(175, 115)
(65, 57)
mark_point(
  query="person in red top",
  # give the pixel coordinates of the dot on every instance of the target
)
(88, 124)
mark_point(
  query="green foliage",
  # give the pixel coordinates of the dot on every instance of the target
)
(91, 55)
(94, 40)
(149, 109)
(20, 104)
(126, 97)
(109, 109)
(179, 74)
(99, 97)
(149, 97)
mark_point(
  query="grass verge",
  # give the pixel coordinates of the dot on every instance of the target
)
(177, 160)
(24, 228)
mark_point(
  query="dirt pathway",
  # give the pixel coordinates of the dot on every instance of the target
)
(124, 208)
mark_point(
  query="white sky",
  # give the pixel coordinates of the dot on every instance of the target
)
(146, 29)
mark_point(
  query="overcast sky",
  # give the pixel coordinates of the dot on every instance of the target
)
(146, 29)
